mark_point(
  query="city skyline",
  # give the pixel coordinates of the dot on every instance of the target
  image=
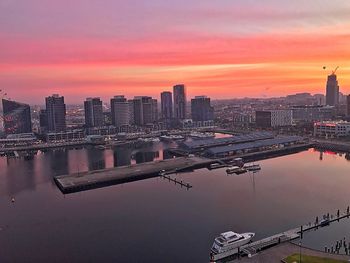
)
(244, 49)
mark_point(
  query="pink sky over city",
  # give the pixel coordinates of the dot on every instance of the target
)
(223, 49)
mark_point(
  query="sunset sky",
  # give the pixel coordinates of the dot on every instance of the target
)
(222, 48)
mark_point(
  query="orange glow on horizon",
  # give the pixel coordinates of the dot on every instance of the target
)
(221, 67)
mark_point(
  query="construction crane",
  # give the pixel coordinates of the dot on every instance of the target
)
(334, 71)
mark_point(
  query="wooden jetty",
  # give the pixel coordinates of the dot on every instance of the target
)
(253, 248)
(177, 182)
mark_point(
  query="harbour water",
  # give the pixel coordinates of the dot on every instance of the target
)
(155, 220)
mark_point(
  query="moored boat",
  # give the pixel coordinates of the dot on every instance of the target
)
(227, 244)
(252, 167)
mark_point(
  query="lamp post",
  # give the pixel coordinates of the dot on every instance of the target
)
(301, 238)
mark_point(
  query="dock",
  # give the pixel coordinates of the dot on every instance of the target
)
(177, 182)
(82, 181)
(95, 179)
(255, 247)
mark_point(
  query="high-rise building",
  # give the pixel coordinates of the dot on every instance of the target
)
(348, 106)
(17, 118)
(93, 112)
(166, 105)
(56, 113)
(131, 112)
(43, 121)
(120, 111)
(180, 102)
(201, 110)
(145, 110)
(332, 90)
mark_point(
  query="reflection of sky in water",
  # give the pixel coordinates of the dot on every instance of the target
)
(106, 224)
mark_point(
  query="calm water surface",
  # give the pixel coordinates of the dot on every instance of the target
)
(154, 220)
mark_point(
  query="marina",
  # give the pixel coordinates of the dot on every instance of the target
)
(77, 182)
(211, 204)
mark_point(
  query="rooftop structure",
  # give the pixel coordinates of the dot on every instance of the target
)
(199, 144)
(228, 150)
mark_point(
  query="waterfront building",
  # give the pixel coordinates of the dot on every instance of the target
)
(166, 105)
(332, 90)
(103, 131)
(17, 117)
(93, 112)
(56, 113)
(255, 146)
(145, 110)
(120, 111)
(66, 136)
(20, 138)
(273, 118)
(332, 129)
(348, 106)
(179, 101)
(190, 124)
(199, 145)
(201, 110)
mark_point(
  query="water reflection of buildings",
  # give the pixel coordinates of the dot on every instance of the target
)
(96, 159)
(122, 156)
(59, 161)
(18, 177)
(142, 157)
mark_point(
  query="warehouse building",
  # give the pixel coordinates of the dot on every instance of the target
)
(261, 145)
(199, 145)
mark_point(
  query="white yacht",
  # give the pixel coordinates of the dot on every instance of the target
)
(229, 242)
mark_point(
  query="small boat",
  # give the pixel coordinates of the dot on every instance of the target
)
(232, 169)
(227, 244)
(252, 167)
(241, 171)
(216, 166)
(12, 199)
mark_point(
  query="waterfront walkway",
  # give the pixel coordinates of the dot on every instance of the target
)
(281, 251)
(256, 247)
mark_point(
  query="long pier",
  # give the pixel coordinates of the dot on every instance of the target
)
(286, 236)
(100, 178)
(95, 179)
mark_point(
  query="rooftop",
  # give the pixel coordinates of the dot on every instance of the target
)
(229, 140)
(255, 144)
